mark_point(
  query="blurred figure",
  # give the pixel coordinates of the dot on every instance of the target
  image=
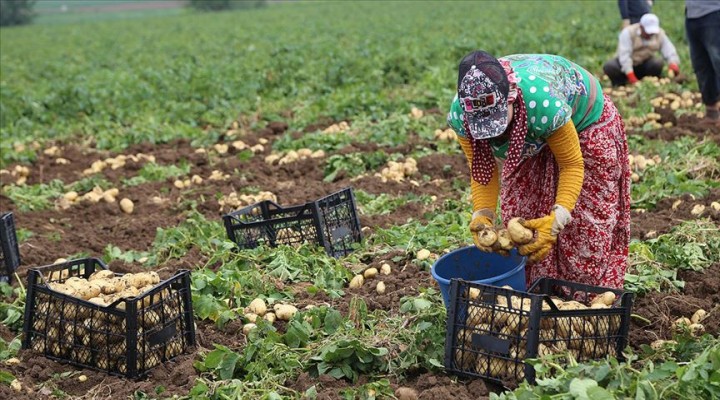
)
(637, 46)
(632, 10)
(702, 24)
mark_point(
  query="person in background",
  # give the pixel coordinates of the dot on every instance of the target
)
(637, 46)
(702, 24)
(541, 125)
(632, 10)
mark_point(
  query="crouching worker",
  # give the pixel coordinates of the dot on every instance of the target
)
(636, 53)
(538, 132)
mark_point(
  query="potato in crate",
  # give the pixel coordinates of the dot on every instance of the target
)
(9, 251)
(491, 330)
(331, 222)
(123, 324)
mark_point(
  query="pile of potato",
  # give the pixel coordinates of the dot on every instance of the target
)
(116, 162)
(447, 135)
(235, 201)
(506, 239)
(19, 173)
(97, 337)
(583, 337)
(293, 156)
(398, 171)
(258, 309)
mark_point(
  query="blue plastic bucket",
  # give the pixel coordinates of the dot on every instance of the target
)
(473, 265)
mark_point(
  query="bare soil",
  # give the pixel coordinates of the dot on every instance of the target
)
(90, 228)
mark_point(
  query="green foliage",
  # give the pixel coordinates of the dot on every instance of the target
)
(689, 166)
(353, 164)
(35, 197)
(654, 263)
(152, 172)
(16, 12)
(446, 229)
(382, 204)
(87, 184)
(424, 338)
(323, 62)
(12, 306)
(9, 349)
(348, 359)
(694, 376)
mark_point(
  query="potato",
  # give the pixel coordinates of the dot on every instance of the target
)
(285, 311)
(659, 344)
(88, 292)
(248, 327)
(62, 288)
(423, 254)
(583, 327)
(572, 305)
(464, 360)
(127, 206)
(76, 282)
(406, 393)
(681, 323)
(270, 317)
(697, 329)
(258, 307)
(482, 365)
(504, 241)
(370, 273)
(607, 298)
(251, 317)
(698, 316)
(356, 282)
(385, 269)
(487, 237)
(173, 349)
(518, 233)
(101, 274)
(380, 287)
(150, 319)
(110, 286)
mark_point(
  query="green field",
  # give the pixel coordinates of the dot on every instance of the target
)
(129, 81)
(179, 85)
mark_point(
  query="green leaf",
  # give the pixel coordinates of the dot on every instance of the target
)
(579, 387)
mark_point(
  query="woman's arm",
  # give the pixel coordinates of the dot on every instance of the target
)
(484, 197)
(565, 146)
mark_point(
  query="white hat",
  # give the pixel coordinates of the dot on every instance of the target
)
(650, 23)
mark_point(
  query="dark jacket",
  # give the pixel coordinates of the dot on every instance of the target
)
(633, 9)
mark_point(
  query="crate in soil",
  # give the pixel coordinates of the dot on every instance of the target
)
(127, 337)
(331, 222)
(492, 330)
(9, 251)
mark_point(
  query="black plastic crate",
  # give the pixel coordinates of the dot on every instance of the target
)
(9, 251)
(331, 222)
(492, 330)
(127, 337)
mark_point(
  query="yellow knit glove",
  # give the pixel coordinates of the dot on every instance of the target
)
(480, 226)
(539, 248)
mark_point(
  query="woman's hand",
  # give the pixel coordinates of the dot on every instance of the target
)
(484, 234)
(547, 229)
